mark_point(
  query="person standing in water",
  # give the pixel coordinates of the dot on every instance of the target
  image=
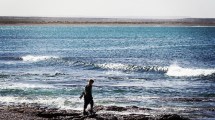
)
(88, 99)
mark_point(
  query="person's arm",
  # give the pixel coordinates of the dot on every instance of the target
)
(83, 93)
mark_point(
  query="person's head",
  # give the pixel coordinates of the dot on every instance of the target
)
(91, 81)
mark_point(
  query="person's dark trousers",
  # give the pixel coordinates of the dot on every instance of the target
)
(86, 102)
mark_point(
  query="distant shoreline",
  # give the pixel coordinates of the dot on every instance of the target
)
(105, 21)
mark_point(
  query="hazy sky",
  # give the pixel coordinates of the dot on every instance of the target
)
(109, 8)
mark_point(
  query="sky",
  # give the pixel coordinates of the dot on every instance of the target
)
(109, 8)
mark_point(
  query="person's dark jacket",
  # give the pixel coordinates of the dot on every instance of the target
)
(88, 92)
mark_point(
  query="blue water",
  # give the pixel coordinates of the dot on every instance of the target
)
(169, 69)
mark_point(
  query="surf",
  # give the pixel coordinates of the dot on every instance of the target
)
(29, 58)
(177, 71)
(32, 58)
(128, 67)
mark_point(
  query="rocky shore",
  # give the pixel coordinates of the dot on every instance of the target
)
(37, 112)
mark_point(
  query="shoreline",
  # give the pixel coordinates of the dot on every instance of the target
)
(37, 112)
(12, 20)
(104, 25)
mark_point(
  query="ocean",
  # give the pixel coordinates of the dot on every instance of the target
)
(168, 69)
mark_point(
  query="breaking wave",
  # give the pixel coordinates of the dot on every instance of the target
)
(177, 71)
(173, 70)
(25, 86)
(32, 58)
(58, 102)
(125, 67)
(29, 58)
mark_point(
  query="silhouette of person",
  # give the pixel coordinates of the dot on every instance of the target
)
(88, 99)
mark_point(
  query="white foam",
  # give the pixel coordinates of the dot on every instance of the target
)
(134, 84)
(59, 102)
(31, 58)
(177, 71)
(120, 66)
(113, 66)
(10, 63)
(24, 86)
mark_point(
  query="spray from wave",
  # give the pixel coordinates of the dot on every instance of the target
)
(177, 71)
(31, 58)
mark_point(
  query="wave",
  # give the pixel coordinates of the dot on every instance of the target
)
(25, 86)
(11, 58)
(70, 61)
(177, 71)
(39, 74)
(29, 58)
(173, 70)
(127, 67)
(58, 102)
(32, 58)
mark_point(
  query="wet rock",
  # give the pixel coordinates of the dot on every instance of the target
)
(37, 112)
(172, 117)
(54, 114)
(211, 109)
(106, 117)
(119, 109)
(135, 117)
(136, 108)
(98, 108)
(115, 108)
(110, 108)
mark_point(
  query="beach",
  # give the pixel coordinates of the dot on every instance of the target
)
(36, 112)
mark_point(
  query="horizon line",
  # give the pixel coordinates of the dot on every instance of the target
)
(115, 17)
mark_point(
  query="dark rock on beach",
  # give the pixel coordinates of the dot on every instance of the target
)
(171, 117)
(36, 112)
(119, 109)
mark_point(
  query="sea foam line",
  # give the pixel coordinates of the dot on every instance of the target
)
(31, 58)
(177, 71)
(25, 86)
(127, 67)
(59, 102)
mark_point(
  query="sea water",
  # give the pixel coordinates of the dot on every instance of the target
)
(171, 69)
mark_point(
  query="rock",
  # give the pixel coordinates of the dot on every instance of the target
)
(37, 112)
(135, 117)
(115, 108)
(136, 108)
(211, 109)
(110, 108)
(98, 108)
(172, 117)
(54, 114)
(119, 109)
(107, 117)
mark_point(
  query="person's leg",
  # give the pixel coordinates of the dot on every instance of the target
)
(86, 102)
(91, 105)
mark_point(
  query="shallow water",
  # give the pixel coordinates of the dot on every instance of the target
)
(171, 69)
